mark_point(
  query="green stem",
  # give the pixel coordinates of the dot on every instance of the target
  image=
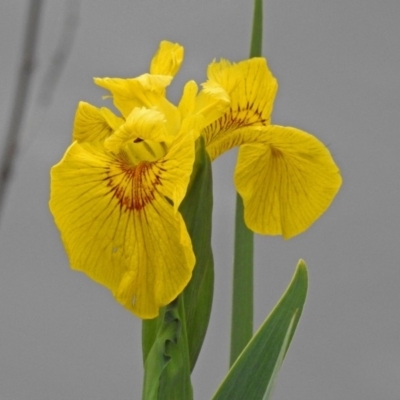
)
(166, 353)
(242, 301)
(149, 334)
(256, 35)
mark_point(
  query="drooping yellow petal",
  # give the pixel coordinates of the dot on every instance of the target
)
(163, 261)
(168, 59)
(251, 89)
(118, 224)
(286, 181)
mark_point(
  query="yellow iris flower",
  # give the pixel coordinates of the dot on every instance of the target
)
(115, 194)
(286, 177)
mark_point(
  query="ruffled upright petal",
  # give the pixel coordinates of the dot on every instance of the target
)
(168, 59)
(287, 180)
(143, 91)
(141, 124)
(208, 105)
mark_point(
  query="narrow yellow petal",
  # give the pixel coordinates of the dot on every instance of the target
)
(203, 108)
(90, 124)
(251, 89)
(188, 99)
(168, 59)
(287, 181)
(212, 102)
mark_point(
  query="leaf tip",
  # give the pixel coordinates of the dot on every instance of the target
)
(302, 266)
(302, 271)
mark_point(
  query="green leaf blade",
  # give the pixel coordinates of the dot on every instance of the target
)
(272, 382)
(196, 210)
(253, 374)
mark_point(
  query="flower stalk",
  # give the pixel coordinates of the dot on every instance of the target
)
(243, 287)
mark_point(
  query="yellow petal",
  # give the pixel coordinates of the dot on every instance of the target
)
(235, 138)
(118, 224)
(163, 261)
(92, 123)
(167, 60)
(179, 164)
(286, 182)
(112, 120)
(146, 91)
(212, 102)
(205, 107)
(188, 99)
(141, 123)
(251, 89)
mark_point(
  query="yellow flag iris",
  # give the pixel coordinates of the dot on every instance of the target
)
(286, 177)
(115, 194)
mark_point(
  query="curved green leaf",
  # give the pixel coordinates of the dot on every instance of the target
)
(253, 374)
(196, 210)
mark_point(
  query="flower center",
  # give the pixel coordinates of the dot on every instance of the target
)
(133, 186)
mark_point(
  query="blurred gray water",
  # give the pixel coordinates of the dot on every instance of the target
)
(337, 63)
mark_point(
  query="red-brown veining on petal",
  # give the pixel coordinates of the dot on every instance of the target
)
(134, 186)
(233, 119)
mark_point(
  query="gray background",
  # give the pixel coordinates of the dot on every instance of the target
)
(338, 65)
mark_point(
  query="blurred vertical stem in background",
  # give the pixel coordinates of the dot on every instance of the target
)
(21, 96)
(242, 299)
